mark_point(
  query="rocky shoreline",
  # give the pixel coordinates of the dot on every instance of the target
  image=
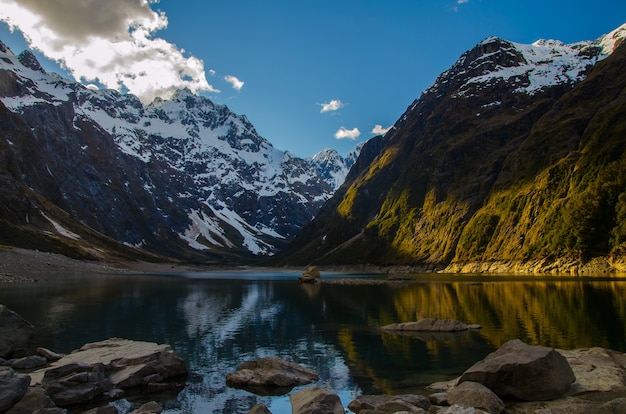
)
(23, 265)
(515, 379)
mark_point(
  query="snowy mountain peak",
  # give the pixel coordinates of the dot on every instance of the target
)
(29, 60)
(612, 40)
(205, 172)
(334, 168)
(526, 68)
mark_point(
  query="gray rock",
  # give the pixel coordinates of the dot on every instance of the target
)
(151, 407)
(48, 354)
(13, 387)
(29, 362)
(34, 400)
(315, 400)
(15, 332)
(430, 325)
(461, 409)
(106, 367)
(270, 376)
(310, 275)
(259, 409)
(522, 371)
(107, 409)
(75, 383)
(438, 398)
(390, 403)
(476, 395)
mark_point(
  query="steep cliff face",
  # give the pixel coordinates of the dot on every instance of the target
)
(493, 162)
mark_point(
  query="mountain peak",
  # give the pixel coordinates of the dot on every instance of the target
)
(613, 39)
(5, 49)
(29, 60)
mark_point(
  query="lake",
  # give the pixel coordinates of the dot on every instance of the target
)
(217, 320)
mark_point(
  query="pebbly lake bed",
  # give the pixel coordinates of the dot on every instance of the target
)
(216, 320)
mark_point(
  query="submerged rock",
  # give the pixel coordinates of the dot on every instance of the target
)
(270, 376)
(430, 325)
(522, 371)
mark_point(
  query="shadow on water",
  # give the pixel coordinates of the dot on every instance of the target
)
(218, 320)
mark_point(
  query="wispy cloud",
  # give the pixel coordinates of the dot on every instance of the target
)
(331, 106)
(379, 130)
(343, 133)
(462, 1)
(234, 81)
(111, 42)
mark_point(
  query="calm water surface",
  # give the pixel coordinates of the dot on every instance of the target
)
(218, 320)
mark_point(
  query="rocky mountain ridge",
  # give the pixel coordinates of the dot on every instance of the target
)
(491, 164)
(182, 177)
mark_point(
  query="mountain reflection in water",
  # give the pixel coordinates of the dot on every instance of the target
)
(216, 321)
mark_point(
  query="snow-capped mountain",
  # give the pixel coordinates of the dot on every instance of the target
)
(183, 170)
(502, 158)
(334, 168)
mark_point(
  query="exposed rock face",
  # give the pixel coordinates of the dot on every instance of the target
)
(310, 275)
(518, 370)
(259, 409)
(270, 376)
(316, 400)
(13, 387)
(476, 395)
(15, 332)
(430, 325)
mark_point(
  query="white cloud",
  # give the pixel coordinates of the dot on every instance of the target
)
(379, 130)
(236, 83)
(462, 1)
(212, 72)
(110, 42)
(343, 133)
(333, 105)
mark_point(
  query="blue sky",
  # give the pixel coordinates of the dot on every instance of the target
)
(302, 71)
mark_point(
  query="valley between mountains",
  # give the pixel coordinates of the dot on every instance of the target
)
(513, 160)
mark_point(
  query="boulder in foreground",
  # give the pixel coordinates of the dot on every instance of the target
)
(100, 368)
(270, 376)
(316, 400)
(522, 371)
(430, 325)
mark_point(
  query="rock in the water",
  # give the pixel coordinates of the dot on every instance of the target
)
(29, 362)
(522, 371)
(15, 332)
(310, 275)
(107, 409)
(270, 376)
(13, 387)
(476, 395)
(151, 407)
(48, 354)
(259, 409)
(430, 325)
(75, 383)
(316, 400)
(461, 409)
(390, 403)
(102, 367)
